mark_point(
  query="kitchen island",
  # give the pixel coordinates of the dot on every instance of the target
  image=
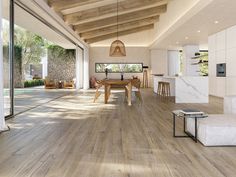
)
(186, 89)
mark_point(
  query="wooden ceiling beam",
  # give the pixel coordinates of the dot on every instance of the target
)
(60, 5)
(121, 27)
(110, 11)
(122, 33)
(77, 8)
(85, 27)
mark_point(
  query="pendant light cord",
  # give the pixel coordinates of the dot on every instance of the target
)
(117, 6)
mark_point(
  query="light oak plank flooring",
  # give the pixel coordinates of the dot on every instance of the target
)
(74, 137)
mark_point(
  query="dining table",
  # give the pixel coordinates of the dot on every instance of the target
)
(109, 83)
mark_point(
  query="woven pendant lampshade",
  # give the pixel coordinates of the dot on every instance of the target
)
(117, 48)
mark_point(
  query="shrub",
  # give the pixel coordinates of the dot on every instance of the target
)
(33, 83)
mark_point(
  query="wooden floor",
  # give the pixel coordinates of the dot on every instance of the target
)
(71, 136)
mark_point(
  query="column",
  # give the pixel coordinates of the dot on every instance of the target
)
(173, 62)
(188, 68)
(44, 62)
(3, 126)
(86, 69)
(79, 68)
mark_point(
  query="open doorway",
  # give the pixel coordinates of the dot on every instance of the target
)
(35, 60)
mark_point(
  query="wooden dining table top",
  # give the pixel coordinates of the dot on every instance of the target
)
(116, 81)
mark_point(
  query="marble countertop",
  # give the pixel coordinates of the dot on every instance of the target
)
(174, 77)
(167, 77)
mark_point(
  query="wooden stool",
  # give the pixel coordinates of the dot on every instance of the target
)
(160, 88)
(166, 89)
(163, 89)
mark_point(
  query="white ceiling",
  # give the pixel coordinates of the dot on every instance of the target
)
(29, 22)
(201, 20)
(196, 25)
(140, 39)
(197, 29)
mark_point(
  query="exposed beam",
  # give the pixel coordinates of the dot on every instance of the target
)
(78, 7)
(110, 10)
(122, 19)
(122, 33)
(59, 5)
(122, 27)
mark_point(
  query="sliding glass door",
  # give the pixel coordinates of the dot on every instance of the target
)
(7, 56)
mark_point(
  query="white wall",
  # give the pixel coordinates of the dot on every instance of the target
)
(159, 62)
(173, 62)
(86, 68)
(188, 68)
(176, 9)
(178, 13)
(79, 68)
(222, 49)
(133, 54)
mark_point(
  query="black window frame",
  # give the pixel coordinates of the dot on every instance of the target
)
(119, 63)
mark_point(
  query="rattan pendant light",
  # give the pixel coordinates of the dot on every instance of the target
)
(117, 48)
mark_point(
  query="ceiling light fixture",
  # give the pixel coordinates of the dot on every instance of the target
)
(186, 37)
(216, 22)
(199, 31)
(117, 48)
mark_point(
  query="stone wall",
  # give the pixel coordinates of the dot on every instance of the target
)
(18, 82)
(61, 64)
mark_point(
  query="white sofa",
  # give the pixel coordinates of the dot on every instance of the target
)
(230, 104)
(217, 129)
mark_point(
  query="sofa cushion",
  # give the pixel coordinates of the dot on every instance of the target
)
(215, 130)
(230, 104)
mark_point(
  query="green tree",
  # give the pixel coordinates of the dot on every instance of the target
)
(59, 52)
(32, 46)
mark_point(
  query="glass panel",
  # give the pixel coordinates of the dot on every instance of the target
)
(34, 62)
(6, 64)
(201, 60)
(28, 69)
(119, 67)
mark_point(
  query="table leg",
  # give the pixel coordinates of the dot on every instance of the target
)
(106, 94)
(195, 129)
(97, 94)
(184, 125)
(129, 93)
(173, 125)
(109, 91)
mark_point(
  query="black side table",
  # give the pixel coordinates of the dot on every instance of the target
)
(180, 114)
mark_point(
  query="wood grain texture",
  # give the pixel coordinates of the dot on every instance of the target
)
(74, 137)
(98, 24)
(107, 11)
(96, 20)
(78, 8)
(121, 27)
(120, 33)
(59, 5)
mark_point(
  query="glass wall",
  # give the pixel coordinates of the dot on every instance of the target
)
(24, 55)
(201, 59)
(6, 59)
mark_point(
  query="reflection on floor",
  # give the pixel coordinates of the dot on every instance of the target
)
(28, 98)
(71, 136)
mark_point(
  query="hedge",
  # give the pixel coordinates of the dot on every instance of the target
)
(33, 83)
